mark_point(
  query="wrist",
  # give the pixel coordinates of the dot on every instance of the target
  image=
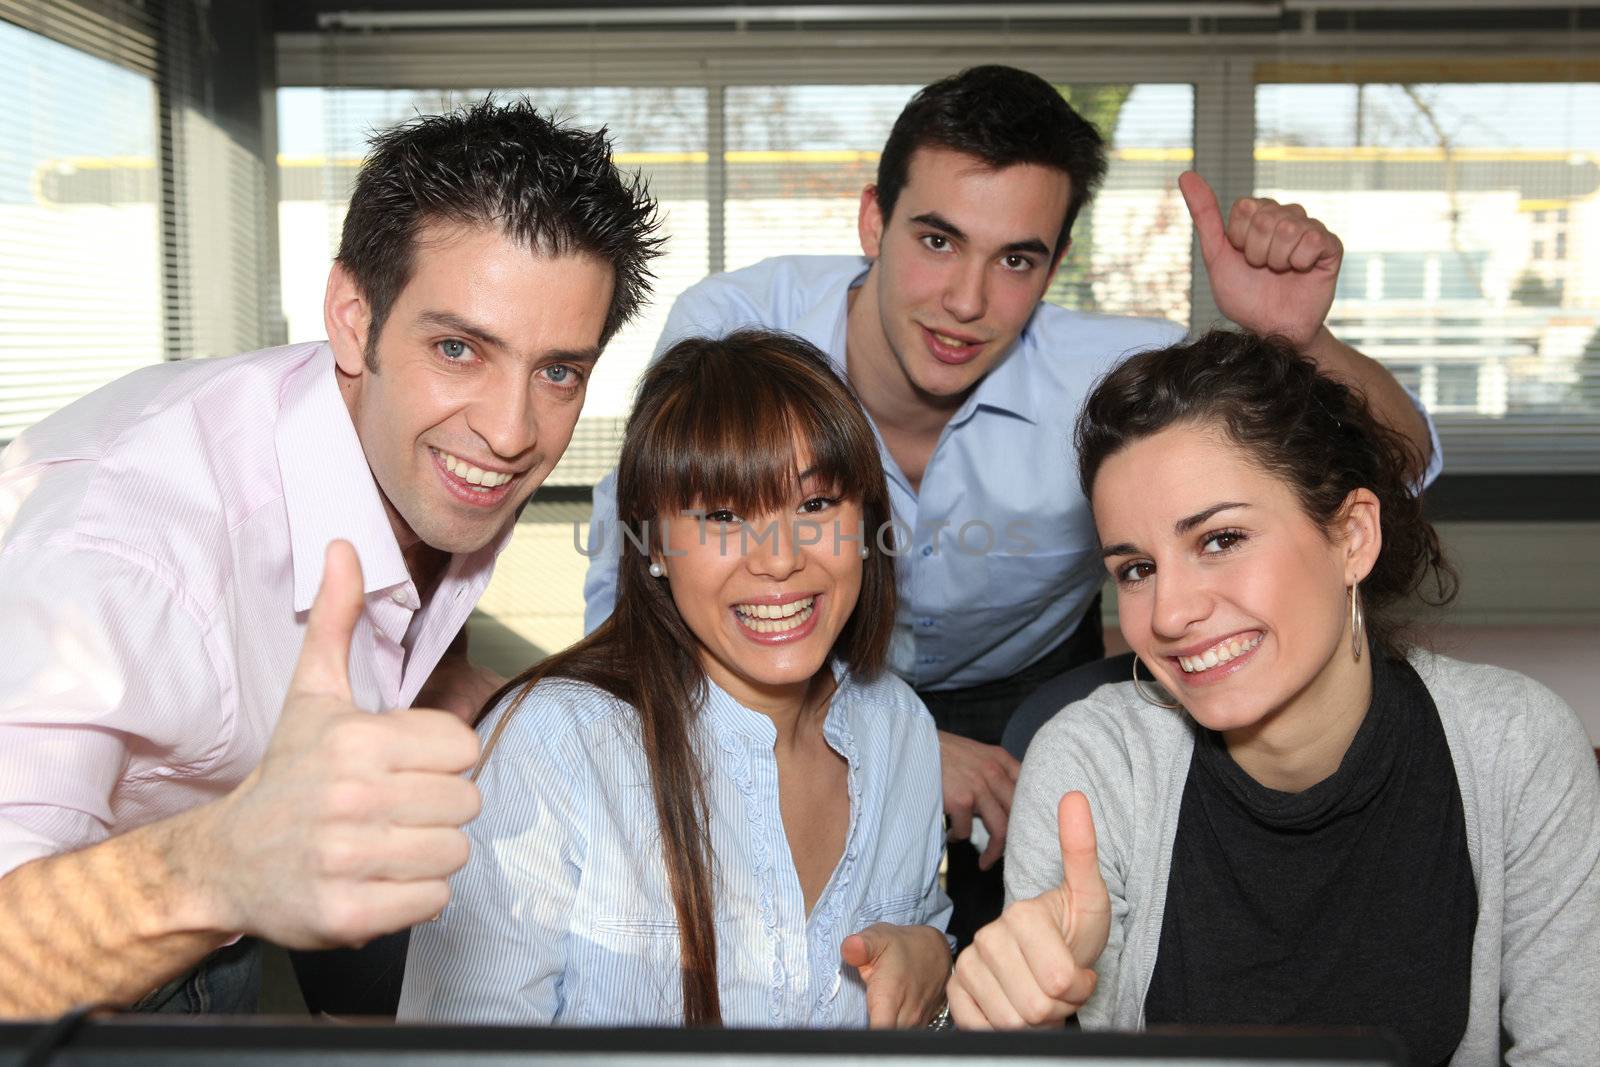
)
(188, 878)
(1322, 345)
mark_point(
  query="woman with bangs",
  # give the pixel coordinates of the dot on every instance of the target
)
(720, 808)
(1290, 814)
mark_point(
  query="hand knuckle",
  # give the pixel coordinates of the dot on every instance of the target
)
(1037, 1010)
(347, 800)
(1055, 980)
(345, 919)
(989, 941)
(349, 740)
(334, 916)
(334, 856)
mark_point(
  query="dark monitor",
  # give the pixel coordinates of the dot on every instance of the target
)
(146, 1041)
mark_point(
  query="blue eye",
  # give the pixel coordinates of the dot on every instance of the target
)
(561, 374)
(453, 350)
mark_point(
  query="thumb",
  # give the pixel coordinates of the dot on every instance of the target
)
(1203, 209)
(861, 950)
(324, 666)
(1080, 862)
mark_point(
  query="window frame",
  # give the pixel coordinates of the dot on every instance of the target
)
(1225, 72)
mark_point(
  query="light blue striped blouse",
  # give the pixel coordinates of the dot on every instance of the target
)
(563, 913)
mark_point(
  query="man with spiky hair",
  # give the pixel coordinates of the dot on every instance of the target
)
(211, 572)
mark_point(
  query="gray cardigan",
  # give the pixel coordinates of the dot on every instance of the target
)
(1531, 796)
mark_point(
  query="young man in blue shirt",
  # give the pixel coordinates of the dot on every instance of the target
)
(973, 385)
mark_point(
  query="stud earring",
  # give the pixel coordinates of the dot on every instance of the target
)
(1137, 688)
(1358, 622)
(864, 552)
(657, 571)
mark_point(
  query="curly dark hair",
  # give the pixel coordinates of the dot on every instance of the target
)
(543, 183)
(1002, 116)
(1314, 433)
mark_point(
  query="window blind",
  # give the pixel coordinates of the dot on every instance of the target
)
(1470, 214)
(80, 234)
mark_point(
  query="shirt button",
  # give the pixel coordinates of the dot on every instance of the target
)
(399, 597)
(927, 550)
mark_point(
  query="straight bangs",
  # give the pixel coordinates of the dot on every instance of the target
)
(733, 422)
(734, 433)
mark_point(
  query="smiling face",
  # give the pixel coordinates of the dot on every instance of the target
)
(1226, 589)
(960, 266)
(478, 379)
(767, 595)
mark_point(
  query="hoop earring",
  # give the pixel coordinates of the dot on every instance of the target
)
(1137, 688)
(1358, 621)
(657, 571)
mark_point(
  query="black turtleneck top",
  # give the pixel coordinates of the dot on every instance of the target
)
(1351, 903)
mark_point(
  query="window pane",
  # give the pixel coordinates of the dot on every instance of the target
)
(1470, 216)
(798, 157)
(80, 296)
(1130, 251)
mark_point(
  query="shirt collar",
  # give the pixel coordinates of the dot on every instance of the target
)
(328, 490)
(727, 716)
(1008, 388)
(826, 321)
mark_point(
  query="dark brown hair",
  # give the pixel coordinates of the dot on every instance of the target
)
(1312, 432)
(715, 426)
(550, 186)
(1002, 116)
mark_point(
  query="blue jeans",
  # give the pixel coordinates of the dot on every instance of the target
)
(227, 982)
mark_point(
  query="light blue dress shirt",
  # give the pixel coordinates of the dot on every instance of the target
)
(563, 913)
(1002, 559)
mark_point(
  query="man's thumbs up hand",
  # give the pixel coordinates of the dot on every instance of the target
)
(324, 667)
(1273, 269)
(1033, 965)
(351, 825)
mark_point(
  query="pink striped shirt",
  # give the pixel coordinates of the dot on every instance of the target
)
(160, 543)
